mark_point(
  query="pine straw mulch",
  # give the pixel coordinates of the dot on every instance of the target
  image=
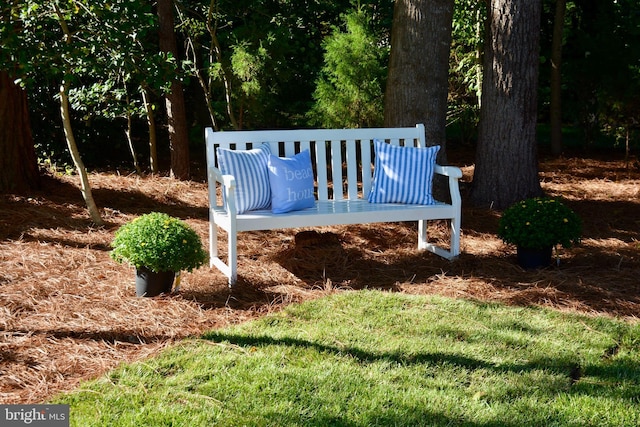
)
(69, 313)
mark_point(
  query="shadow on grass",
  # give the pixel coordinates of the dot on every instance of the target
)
(603, 382)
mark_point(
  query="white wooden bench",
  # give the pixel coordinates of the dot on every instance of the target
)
(343, 164)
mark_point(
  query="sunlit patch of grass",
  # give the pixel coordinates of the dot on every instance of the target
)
(371, 358)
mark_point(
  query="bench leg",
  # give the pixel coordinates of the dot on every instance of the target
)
(231, 267)
(422, 234)
(455, 237)
(213, 242)
(454, 250)
(233, 255)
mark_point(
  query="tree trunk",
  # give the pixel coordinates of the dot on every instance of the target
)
(18, 163)
(556, 78)
(204, 76)
(417, 83)
(85, 187)
(129, 134)
(174, 100)
(481, 24)
(153, 140)
(506, 159)
(65, 114)
(226, 76)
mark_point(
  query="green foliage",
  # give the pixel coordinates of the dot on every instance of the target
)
(249, 66)
(465, 69)
(270, 51)
(600, 60)
(254, 86)
(466, 46)
(349, 92)
(160, 243)
(101, 41)
(382, 359)
(106, 51)
(274, 52)
(539, 223)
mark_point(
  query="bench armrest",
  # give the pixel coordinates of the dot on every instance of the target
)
(227, 183)
(450, 171)
(454, 173)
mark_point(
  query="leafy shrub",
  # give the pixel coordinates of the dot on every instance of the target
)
(160, 243)
(539, 223)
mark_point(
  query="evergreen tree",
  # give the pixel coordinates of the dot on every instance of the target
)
(349, 92)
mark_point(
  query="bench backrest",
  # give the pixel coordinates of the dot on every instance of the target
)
(342, 158)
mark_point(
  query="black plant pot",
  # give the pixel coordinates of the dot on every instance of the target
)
(530, 259)
(151, 284)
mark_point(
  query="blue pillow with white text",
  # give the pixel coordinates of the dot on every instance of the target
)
(292, 182)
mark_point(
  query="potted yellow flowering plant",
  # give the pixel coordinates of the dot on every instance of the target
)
(159, 247)
(537, 225)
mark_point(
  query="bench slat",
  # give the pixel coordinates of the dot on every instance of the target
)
(366, 159)
(336, 170)
(305, 145)
(289, 149)
(321, 173)
(352, 170)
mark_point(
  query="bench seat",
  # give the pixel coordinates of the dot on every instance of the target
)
(332, 212)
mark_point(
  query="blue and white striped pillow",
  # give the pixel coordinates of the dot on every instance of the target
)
(250, 169)
(403, 174)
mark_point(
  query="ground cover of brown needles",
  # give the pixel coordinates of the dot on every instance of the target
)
(69, 313)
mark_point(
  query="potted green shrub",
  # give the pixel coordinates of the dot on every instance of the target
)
(158, 246)
(536, 226)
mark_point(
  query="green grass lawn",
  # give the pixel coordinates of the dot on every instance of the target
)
(371, 358)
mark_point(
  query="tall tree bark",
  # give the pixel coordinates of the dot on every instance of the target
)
(174, 100)
(151, 122)
(556, 78)
(506, 159)
(481, 24)
(65, 114)
(18, 163)
(85, 186)
(129, 134)
(417, 84)
(226, 79)
(194, 50)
